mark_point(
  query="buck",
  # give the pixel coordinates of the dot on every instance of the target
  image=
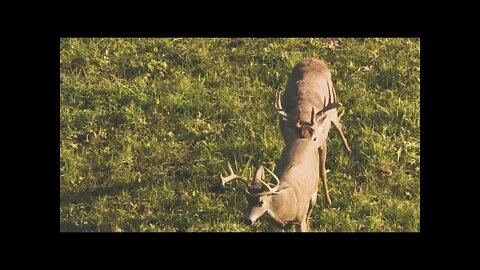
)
(309, 107)
(290, 200)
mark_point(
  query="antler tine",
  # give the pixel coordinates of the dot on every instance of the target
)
(271, 190)
(327, 108)
(298, 125)
(331, 106)
(275, 177)
(342, 113)
(312, 115)
(231, 177)
(278, 105)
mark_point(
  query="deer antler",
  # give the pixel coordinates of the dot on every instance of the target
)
(271, 190)
(342, 112)
(278, 106)
(298, 125)
(327, 108)
(231, 177)
(312, 115)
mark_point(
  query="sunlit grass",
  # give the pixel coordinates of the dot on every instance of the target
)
(148, 125)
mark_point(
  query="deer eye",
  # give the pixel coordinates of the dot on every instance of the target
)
(314, 139)
(260, 203)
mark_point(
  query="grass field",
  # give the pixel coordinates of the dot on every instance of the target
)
(148, 125)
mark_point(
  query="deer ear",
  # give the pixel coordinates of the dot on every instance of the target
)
(280, 190)
(319, 118)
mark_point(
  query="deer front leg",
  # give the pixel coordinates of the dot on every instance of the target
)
(338, 126)
(311, 205)
(304, 226)
(323, 172)
(274, 228)
(309, 212)
(275, 225)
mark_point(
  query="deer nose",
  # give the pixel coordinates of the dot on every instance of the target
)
(248, 221)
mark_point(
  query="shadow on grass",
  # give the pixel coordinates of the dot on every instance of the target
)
(88, 196)
(133, 225)
(72, 227)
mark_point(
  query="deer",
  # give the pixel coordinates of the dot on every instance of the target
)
(290, 200)
(309, 108)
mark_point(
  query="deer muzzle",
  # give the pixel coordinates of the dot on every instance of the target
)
(248, 221)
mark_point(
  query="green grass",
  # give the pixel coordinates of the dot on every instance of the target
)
(148, 125)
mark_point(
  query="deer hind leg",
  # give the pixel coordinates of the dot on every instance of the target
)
(323, 172)
(338, 126)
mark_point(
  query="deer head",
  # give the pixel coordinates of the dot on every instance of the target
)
(259, 193)
(317, 128)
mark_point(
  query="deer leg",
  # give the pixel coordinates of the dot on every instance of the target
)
(310, 209)
(304, 226)
(323, 172)
(311, 205)
(274, 228)
(338, 126)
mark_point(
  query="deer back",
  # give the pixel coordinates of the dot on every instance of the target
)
(309, 86)
(298, 165)
(298, 170)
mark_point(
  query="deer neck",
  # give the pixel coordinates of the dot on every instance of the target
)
(278, 212)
